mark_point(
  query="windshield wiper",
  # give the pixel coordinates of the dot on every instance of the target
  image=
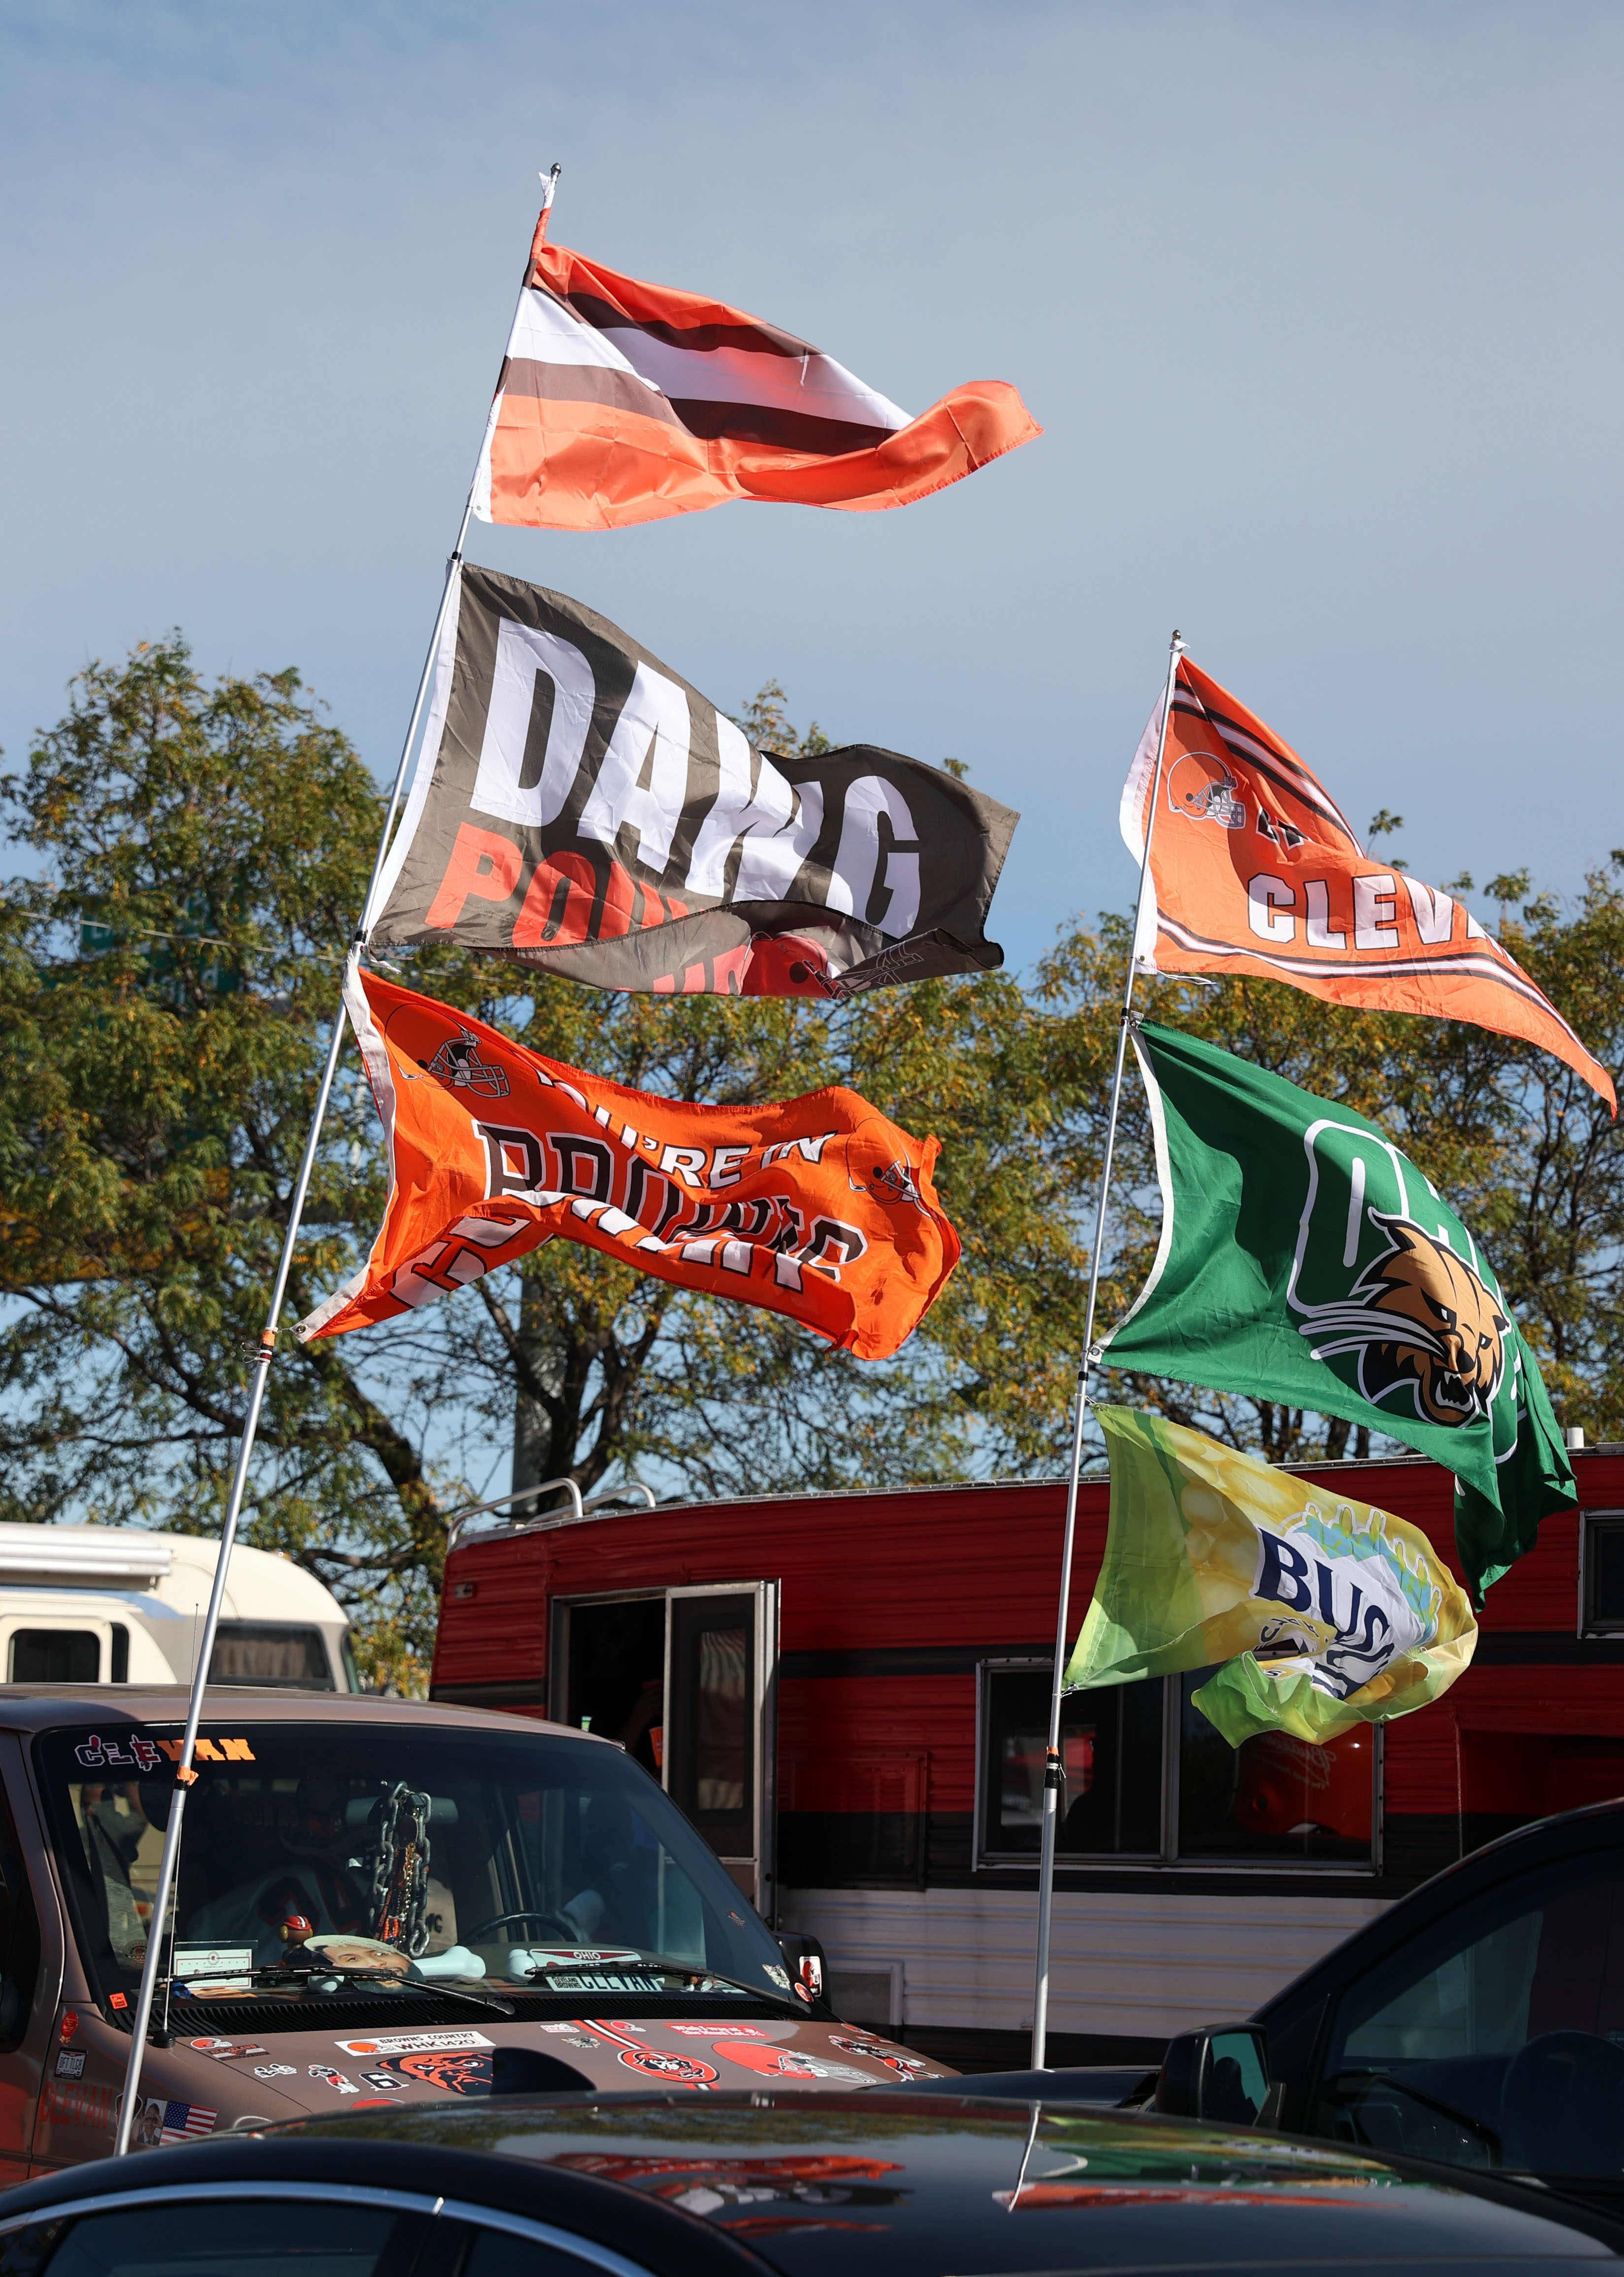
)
(299, 1980)
(434, 1986)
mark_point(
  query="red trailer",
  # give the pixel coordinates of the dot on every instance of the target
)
(848, 1694)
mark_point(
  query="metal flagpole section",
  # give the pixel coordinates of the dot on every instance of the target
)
(1052, 1774)
(185, 1775)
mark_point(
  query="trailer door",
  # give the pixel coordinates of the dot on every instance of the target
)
(721, 1652)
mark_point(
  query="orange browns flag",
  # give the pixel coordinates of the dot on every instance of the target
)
(622, 402)
(820, 1208)
(1253, 868)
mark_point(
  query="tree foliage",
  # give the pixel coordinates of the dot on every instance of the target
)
(168, 977)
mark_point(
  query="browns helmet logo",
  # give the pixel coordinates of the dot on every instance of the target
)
(1420, 1316)
(457, 1062)
(892, 1182)
(665, 2063)
(1203, 788)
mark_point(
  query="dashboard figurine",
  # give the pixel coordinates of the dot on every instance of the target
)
(293, 1932)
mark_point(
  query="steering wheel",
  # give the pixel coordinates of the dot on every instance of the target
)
(500, 1920)
(1563, 2105)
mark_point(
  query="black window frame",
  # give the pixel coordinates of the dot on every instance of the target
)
(1593, 1523)
(21, 1947)
(1168, 1858)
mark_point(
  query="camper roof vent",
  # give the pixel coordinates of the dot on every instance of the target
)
(83, 1555)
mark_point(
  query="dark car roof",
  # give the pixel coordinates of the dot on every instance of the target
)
(909, 2187)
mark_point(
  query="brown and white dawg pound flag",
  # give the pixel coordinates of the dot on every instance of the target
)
(622, 402)
(820, 1208)
(579, 809)
(1254, 868)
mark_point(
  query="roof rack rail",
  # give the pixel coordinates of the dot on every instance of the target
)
(578, 1512)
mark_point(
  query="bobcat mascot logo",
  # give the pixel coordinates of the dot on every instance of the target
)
(1420, 1316)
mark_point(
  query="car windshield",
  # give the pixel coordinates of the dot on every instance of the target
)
(490, 1861)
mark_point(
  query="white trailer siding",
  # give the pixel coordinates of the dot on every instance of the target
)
(1134, 1966)
(97, 1581)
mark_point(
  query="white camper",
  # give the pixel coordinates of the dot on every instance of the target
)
(108, 1604)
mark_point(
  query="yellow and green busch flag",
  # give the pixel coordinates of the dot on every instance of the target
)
(1325, 1611)
(1303, 1259)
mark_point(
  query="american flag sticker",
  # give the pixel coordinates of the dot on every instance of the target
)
(183, 2121)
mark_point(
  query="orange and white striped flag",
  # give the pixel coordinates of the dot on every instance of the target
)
(1254, 868)
(622, 402)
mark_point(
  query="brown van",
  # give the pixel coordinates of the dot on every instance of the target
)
(379, 1903)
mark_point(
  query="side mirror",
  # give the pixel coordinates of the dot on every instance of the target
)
(804, 1957)
(1220, 2075)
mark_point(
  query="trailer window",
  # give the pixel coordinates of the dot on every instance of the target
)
(271, 1653)
(1110, 1746)
(1601, 1566)
(1274, 1797)
(55, 1657)
(1146, 1776)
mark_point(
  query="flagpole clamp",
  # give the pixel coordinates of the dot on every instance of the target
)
(1053, 1772)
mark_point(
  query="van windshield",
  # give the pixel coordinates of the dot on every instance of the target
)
(396, 1856)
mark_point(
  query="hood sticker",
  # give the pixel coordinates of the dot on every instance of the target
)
(453, 2073)
(406, 2043)
(667, 2064)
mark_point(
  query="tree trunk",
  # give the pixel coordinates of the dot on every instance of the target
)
(532, 1424)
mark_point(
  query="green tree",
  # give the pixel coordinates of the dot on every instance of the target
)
(167, 980)
(167, 986)
(165, 990)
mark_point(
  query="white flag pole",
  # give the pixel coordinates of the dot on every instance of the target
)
(1052, 1774)
(185, 1775)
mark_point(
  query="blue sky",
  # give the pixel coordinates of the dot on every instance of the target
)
(1319, 305)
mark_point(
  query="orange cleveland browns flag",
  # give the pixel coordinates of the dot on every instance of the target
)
(622, 402)
(820, 1208)
(1253, 868)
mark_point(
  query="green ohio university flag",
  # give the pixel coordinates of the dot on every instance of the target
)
(1303, 1259)
(1322, 1612)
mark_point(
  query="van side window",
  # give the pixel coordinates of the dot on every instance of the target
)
(1495, 2038)
(19, 1936)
